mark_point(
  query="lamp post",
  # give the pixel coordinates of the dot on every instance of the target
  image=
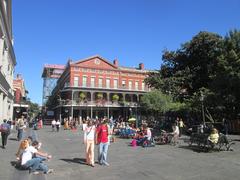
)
(66, 111)
(130, 109)
(203, 114)
(60, 106)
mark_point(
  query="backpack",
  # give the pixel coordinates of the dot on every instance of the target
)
(4, 128)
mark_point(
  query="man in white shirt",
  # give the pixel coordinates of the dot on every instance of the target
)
(34, 164)
(53, 124)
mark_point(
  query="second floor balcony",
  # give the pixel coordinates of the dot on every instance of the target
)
(97, 103)
(113, 87)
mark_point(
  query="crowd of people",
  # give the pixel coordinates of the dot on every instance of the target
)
(96, 132)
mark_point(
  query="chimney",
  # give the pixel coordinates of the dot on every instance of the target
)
(141, 66)
(115, 62)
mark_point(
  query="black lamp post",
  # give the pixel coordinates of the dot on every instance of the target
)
(66, 111)
(203, 113)
(130, 109)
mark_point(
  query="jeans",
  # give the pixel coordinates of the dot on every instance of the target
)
(102, 153)
(36, 164)
(20, 134)
(4, 138)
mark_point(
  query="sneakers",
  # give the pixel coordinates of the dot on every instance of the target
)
(49, 171)
(35, 172)
(106, 164)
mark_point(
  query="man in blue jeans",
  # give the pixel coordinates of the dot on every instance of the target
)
(34, 164)
(103, 142)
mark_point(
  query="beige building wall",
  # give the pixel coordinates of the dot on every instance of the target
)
(7, 60)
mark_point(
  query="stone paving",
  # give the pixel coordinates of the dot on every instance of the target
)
(163, 162)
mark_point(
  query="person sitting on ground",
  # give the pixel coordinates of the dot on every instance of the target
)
(147, 135)
(22, 146)
(214, 136)
(34, 164)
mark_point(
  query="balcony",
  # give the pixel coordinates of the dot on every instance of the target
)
(102, 103)
(105, 87)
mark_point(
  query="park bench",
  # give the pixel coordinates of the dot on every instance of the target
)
(201, 140)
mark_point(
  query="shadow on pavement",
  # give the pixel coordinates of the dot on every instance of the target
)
(75, 160)
(17, 165)
(194, 149)
(13, 139)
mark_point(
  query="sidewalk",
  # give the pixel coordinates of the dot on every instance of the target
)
(161, 162)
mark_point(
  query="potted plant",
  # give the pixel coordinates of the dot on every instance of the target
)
(99, 96)
(115, 98)
(82, 96)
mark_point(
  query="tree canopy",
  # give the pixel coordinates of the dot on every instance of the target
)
(208, 64)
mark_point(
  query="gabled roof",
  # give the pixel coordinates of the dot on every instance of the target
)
(100, 59)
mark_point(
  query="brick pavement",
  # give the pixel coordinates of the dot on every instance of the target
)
(161, 162)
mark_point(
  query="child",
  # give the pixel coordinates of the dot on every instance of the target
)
(214, 136)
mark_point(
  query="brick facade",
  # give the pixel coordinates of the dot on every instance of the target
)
(96, 75)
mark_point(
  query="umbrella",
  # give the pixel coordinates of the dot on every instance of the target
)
(132, 119)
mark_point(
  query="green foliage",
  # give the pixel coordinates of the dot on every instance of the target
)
(208, 64)
(99, 95)
(33, 110)
(82, 95)
(156, 101)
(115, 97)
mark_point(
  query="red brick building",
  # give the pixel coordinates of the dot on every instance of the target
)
(94, 87)
(20, 106)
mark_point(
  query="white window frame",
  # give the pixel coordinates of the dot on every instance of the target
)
(84, 83)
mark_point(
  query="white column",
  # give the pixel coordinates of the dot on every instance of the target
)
(11, 110)
(5, 107)
(1, 107)
(1, 50)
(5, 63)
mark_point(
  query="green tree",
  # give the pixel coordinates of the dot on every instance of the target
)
(157, 102)
(34, 109)
(208, 64)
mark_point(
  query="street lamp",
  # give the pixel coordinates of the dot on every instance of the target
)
(203, 114)
(130, 109)
(60, 107)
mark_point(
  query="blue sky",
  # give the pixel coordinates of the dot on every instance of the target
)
(133, 31)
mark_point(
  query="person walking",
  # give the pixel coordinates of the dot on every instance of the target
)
(58, 125)
(181, 126)
(53, 124)
(20, 127)
(5, 131)
(89, 137)
(103, 142)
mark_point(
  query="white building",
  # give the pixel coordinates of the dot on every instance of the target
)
(7, 60)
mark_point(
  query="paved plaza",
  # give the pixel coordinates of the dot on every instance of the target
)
(163, 162)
